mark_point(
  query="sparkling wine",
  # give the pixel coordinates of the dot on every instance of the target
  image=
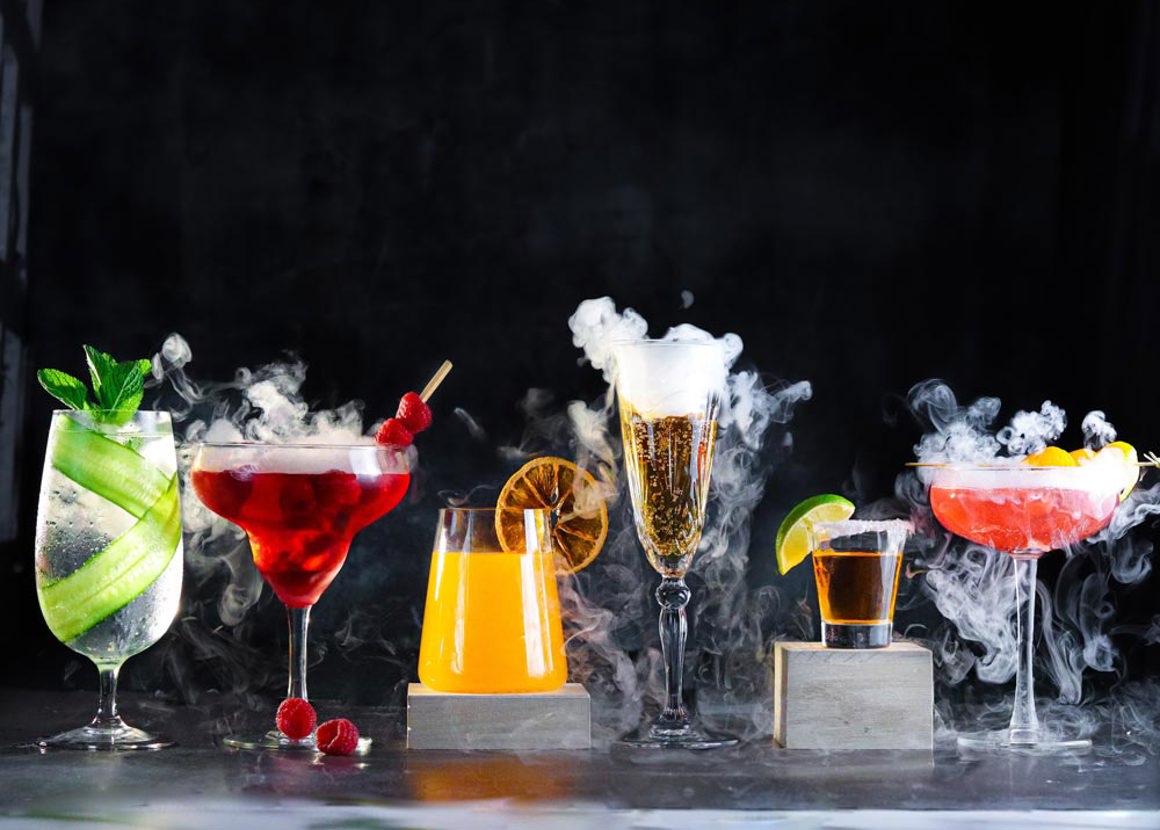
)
(668, 460)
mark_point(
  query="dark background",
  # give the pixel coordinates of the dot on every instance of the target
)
(869, 194)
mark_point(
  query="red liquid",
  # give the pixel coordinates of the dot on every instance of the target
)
(300, 524)
(1026, 520)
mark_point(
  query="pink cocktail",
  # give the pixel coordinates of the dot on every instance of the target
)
(301, 506)
(1025, 511)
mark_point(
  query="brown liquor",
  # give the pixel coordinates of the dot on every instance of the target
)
(856, 587)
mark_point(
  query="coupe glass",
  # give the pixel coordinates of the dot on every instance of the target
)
(1024, 511)
(669, 393)
(492, 624)
(300, 505)
(108, 552)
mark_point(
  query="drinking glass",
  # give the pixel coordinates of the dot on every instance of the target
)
(1024, 511)
(491, 624)
(856, 567)
(669, 393)
(109, 552)
(301, 506)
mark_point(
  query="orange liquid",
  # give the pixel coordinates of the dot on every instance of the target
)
(492, 624)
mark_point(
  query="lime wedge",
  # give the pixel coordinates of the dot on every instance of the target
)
(793, 537)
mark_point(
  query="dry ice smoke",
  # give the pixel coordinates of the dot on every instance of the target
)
(609, 608)
(972, 587)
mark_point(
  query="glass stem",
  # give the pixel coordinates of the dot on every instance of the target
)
(107, 717)
(1024, 722)
(299, 619)
(673, 595)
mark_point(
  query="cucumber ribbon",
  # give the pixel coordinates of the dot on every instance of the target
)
(127, 566)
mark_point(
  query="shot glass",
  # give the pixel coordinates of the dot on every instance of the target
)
(856, 567)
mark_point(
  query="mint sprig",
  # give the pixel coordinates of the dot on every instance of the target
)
(118, 386)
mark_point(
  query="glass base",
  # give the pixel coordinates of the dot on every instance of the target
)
(277, 742)
(116, 738)
(658, 736)
(857, 635)
(1025, 741)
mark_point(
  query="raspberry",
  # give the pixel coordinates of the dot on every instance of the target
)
(296, 718)
(393, 432)
(414, 413)
(337, 737)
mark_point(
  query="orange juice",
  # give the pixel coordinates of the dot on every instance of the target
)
(492, 623)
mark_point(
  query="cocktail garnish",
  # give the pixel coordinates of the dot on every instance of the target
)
(337, 737)
(1051, 456)
(296, 718)
(1115, 452)
(579, 511)
(413, 415)
(118, 387)
(394, 433)
(792, 543)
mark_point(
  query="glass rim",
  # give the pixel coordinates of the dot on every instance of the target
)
(657, 341)
(1013, 466)
(64, 411)
(143, 423)
(858, 526)
(291, 445)
(547, 510)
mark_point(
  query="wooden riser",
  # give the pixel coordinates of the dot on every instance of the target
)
(826, 698)
(545, 720)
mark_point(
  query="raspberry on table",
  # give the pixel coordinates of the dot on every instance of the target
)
(337, 737)
(296, 718)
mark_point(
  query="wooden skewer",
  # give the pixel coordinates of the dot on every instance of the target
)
(436, 379)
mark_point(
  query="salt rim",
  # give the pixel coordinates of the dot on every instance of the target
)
(663, 378)
(849, 527)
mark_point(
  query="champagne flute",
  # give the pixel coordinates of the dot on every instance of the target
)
(669, 393)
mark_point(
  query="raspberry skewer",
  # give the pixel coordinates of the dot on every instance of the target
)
(413, 415)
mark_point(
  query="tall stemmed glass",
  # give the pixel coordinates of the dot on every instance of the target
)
(1024, 511)
(669, 394)
(300, 505)
(108, 552)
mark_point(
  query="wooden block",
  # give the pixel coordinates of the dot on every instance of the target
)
(541, 720)
(828, 698)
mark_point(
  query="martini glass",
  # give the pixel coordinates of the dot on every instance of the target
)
(669, 394)
(300, 505)
(1025, 511)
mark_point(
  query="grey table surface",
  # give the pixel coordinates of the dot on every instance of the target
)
(200, 784)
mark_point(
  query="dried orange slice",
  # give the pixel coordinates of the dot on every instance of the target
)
(579, 512)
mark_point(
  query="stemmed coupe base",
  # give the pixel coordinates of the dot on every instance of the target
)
(1022, 741)
(277, 742)
(113, 735)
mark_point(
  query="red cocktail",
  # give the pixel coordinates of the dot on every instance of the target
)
(1025, 511)
(300, 506)
(300, 525)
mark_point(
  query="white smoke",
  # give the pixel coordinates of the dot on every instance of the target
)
(264, 404)
(610, 614)
(971, 586)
